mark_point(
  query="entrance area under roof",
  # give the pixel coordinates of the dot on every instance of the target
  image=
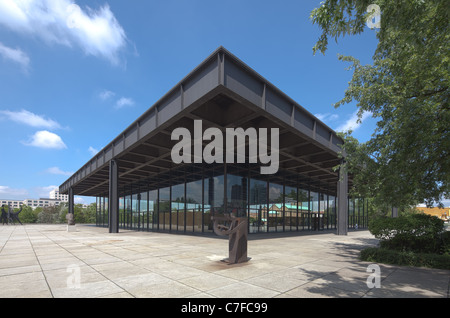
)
(138, 185)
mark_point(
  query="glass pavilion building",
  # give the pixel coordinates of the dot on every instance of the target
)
(138, 186)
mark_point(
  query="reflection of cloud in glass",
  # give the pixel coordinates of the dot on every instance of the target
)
(194, 191)
(275, 191)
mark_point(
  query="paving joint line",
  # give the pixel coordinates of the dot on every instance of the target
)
(86, 265)
(37, 258)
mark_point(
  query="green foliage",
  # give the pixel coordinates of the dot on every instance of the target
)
(386, 256)
(50, 215)
(419, 233)
(57, 214)
(407, 160)
(84, 215)
(28, 215)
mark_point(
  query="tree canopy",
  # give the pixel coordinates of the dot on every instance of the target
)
(407, 159)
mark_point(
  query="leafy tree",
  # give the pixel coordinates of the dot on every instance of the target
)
(49, 214)
(28, 215)
(407, 160)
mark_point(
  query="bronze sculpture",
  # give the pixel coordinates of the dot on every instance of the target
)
(10, 216)
(237, 237)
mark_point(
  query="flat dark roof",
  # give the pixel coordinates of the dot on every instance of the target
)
(223, 92)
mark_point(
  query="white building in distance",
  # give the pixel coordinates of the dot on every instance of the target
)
(55, 195)
(55, 200)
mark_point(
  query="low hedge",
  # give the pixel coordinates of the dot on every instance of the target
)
(420, 233)
(405, 258)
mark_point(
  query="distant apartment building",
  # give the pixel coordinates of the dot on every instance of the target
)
(55, 199)
(33, 203)
(55, 195)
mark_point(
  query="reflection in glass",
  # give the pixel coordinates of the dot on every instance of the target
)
(177, 208)
(276, 209)
(258, 206)
(191, 195)
(164, 209)
(237, 195)
(152, 219)
(143, 211)
(290, 209)
(194, 206)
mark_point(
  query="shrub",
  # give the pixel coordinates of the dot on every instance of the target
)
(419, 233)
(28, 215)
(386, 256)
(49, 214)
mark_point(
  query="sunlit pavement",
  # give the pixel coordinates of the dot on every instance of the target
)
(48, 261)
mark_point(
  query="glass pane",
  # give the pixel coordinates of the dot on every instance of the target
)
(105, 212)
(313, 217)
(128, 212)
(177, 207)
(143, 210)
(136, 222)
(194, 206)
(290, 209)
(276, 209)
(237, 195)
(208, 195)
(122, 211)
(164, 208)
(152, 209)
(258, 206)
(302, 209)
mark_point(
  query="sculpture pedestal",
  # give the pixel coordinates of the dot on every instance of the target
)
(71, 227)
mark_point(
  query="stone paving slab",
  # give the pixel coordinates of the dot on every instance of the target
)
(47, 261)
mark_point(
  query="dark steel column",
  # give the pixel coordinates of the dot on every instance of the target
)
(342, 194)
(71, 201)
(113, 203)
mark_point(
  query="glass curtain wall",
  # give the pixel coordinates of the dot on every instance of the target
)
(258, 206)
(184, 200)
(101, 205)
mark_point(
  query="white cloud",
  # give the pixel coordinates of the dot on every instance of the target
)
(96, 32)
(92, 150)
(105, 95)
(44, 192)
(353, 122)
(124, 102)
(328, 117)
(58, 171)
(12, 194)
(79, 200)
(46, 139)
(15, 55)
(30, 119)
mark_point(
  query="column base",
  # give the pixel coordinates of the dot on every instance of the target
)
(227, 260)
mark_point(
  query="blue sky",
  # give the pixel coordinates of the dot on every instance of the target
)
(73, 75)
